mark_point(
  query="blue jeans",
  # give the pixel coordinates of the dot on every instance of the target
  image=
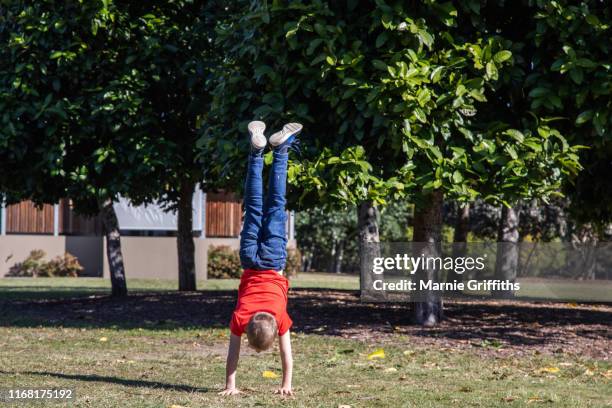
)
(263, 243)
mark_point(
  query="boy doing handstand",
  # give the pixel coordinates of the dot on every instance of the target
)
(261, 310)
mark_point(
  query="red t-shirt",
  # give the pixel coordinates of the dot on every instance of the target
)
(261, 291)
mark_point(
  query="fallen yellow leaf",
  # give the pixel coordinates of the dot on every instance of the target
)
(269, 374)
(534, 399)
(390, 370)
(103, 339)
(177, 406)
(572, 304)
(552, 370)
(380, 353)
(409, 352)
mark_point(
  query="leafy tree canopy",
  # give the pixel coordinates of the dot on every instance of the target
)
(393, 96)
(102, 98)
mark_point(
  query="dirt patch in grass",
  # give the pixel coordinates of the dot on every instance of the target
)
(496, 327)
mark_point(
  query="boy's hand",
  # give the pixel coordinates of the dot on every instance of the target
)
(232, 364)
(230, 391)
(285, 391)
(287, 360)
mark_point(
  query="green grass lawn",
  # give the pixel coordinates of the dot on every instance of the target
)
(144, 368)
(110, 366)
(20, 288)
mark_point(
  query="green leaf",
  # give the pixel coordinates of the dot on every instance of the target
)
(491, 70)
(423, 96)
(577, 75)
(436, 152)
(502, 56)
(512, 152)
(586, 63)
(584, 117)
(533, 145)
(539, 92)
(420, 115)
(381, 39)
(378, 64)
(515, 134)
(425, 38)
(592, 20)
(436, 73)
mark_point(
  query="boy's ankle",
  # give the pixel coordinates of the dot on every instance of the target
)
(256, 152)
(282, 149)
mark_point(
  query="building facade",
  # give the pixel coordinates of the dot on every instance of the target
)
(148, 234)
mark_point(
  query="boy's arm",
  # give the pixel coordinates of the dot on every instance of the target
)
(233, 354)
(287, 361)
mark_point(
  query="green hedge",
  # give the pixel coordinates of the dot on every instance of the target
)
(224, 262)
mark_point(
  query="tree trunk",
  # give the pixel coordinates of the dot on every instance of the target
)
(339, 257)
(185, 245)
(308, 259)
(507, 260)
(113, 249)
(427, 308)
(462, 228)
(369, 244)
(584, 244)
(331, 265)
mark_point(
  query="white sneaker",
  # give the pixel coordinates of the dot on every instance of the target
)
(256, 130)
(289, 130)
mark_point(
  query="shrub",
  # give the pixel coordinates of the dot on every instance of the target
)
(223, 262)
(67, 265)
(35, 266)
(30, 266)
(294, 262)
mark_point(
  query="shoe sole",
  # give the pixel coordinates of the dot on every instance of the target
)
(256, 130)
(281, 136)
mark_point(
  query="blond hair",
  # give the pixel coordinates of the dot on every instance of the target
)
(261, 331)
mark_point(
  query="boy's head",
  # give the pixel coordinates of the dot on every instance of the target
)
(261, 331)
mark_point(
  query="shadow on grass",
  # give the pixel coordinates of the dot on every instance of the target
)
(44, 292)
(115, 380)
(324, 311)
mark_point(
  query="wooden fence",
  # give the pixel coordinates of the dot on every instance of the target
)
(223, 218)
(223, 215)
(26, 218)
